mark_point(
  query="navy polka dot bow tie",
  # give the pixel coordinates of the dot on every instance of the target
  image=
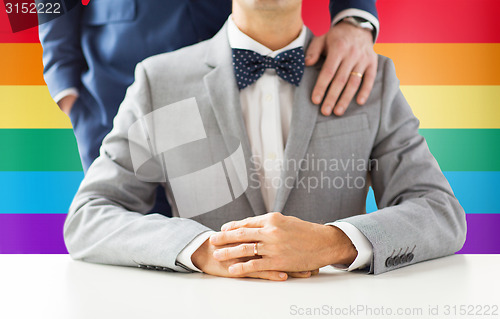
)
(249, 66)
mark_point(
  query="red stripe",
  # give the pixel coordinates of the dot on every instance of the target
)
(27, 36)
(439, 21)
(316, 15)
(6, 35)
(402, 21)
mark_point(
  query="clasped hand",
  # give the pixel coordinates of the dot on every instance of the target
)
(286, 245)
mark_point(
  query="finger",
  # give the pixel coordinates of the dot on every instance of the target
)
(368, 80)
(338, 84)
(314, 272)
(251, 266)
(240, 251)
(252, 222)
(301, 274)
(269, 275)
(314, 50)
(325, 77)
(352, 86)
(240, 235)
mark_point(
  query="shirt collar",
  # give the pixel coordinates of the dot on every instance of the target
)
(239, 40)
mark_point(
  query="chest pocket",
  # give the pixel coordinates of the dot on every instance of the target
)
(341, 126)
(100, 12)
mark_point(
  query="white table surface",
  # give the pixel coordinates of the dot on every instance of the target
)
(55, 286)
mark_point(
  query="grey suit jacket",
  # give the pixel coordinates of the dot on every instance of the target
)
(418, 213)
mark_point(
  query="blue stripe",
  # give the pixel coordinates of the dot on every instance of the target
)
(52, 192)
(37, 192)
(371, 204)
(477, 192)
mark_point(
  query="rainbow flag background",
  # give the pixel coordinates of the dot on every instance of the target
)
(447, 56)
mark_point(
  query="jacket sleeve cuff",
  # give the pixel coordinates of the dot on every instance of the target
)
(361, 14)
(69, 91)
(360, 242)
(184, 256)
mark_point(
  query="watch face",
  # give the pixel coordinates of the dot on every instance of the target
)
(360, 22)
(366, 25)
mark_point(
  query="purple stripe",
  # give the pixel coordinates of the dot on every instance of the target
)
(483, 234)
(43, 234)
(32, 234)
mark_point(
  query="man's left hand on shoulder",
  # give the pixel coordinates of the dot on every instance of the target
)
(350, 63)
(284, 243)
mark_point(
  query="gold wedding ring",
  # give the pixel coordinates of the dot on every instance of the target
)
(357, 74)
(255, 251)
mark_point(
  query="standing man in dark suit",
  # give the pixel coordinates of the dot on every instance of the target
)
(89, 54)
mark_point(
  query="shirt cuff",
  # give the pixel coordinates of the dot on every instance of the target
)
(64, 93)
(184, 256)
(360, 242)
(360, 14)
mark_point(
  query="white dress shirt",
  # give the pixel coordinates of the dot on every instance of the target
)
(267, 112)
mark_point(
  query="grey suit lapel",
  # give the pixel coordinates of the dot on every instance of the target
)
(225, 101)
(304, 115)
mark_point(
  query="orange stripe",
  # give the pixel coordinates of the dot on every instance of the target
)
(444, 63)
(416, 63)
(21, 64)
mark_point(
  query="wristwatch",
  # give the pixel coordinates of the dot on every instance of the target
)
(360, 23)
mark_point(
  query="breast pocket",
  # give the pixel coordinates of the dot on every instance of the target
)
(100, 12)
(340, 126)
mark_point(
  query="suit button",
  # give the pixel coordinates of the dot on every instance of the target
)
(397, 260)
(389, 262)
(410, 257)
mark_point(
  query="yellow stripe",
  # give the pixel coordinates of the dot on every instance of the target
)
(30, 106)
(455, 106)
(435, 106)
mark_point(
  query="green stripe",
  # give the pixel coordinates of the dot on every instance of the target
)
(465, 149)
(56, 150)
(38, 150)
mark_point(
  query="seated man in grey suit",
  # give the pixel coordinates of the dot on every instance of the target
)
(260, 184)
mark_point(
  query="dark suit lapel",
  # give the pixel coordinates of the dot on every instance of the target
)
(304, 115)
(225, 101)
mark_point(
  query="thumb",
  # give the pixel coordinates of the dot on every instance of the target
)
(315, 49)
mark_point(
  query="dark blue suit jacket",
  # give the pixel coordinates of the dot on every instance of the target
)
(95, 49)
